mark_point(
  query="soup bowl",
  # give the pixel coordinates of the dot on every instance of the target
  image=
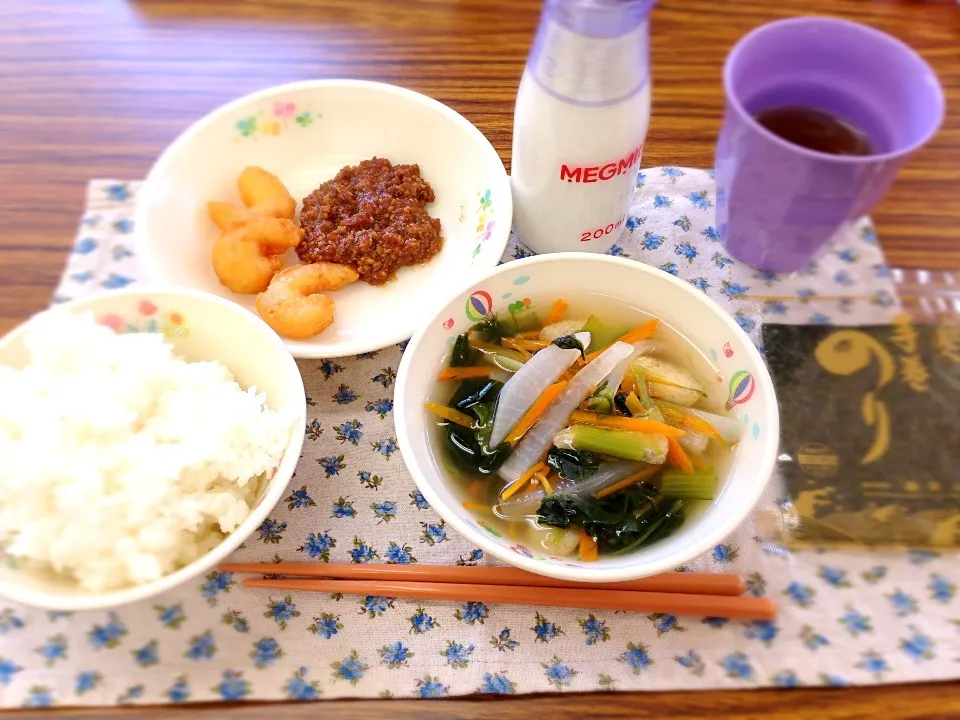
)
(740, 382)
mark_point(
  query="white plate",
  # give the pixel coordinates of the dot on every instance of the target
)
(304, 133)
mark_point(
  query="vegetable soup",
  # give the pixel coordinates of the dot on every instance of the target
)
(579, 428)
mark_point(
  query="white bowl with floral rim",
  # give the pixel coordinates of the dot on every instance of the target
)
(742, 383)
(200, 326)
(304, 133)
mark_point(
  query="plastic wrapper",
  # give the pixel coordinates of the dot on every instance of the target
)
(870, 424)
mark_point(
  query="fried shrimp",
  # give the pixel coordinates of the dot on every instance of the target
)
(294, 305)
(223, 213)
(249, 252)
(262, 193)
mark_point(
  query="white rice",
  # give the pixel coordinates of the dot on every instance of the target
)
(119, 461)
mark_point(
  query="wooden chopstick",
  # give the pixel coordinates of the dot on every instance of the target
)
(671, 582)
(745, 608)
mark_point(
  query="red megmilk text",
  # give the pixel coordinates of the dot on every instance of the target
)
(601, 172)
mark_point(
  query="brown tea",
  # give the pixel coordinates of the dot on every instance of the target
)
(815, 130)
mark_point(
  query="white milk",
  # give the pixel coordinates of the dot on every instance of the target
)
(581, 117)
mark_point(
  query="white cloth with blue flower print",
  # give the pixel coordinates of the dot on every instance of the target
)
(846, 618)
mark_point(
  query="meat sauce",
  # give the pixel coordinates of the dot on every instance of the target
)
(371, 217)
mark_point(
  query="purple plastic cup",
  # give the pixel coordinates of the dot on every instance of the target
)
(778, 203)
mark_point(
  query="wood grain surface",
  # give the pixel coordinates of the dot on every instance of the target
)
(915, 702)
(97, 88)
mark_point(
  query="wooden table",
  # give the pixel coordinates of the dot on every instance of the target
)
(97, 89)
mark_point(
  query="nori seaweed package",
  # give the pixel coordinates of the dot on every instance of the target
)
(870, 432)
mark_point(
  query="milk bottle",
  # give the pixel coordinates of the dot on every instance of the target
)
(580, 121)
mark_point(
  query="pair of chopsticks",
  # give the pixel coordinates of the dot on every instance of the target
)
(674, 593)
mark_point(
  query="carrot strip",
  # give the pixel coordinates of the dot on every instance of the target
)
(644, 474)
(699, 424)
(588, 547)
(641, 332)
(535, 411)
(625, 423)
(677, 456)
(477, 507)
(522, 480)
(694, 422)
(674, 415)
(451, 414)
(475, 489)
(530, 335)
(535, 345)
(465, 373)
(556, 312)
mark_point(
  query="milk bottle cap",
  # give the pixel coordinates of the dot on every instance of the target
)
(610, 68)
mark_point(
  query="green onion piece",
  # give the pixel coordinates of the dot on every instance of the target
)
(623, 444)
(643, 390)
(602, 401)
(601, 335)
(525, 319)
(504, 362)
(499, 356)
(699, 486)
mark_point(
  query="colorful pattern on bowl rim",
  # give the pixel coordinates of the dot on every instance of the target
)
(150, 319)
(279, 117)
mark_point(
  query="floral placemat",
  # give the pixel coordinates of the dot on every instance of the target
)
(846, 618)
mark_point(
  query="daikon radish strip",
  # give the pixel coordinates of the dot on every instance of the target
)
(528, 383)
(539, 438)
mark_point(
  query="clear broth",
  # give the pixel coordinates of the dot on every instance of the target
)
(527, 532)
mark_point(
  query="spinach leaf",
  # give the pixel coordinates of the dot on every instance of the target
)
(620, 522)
(560, 510)
(470, 447)
(570, 342)
(475, 392)
(491, 329)
(662, 526)
(573, 464)
(462, 355)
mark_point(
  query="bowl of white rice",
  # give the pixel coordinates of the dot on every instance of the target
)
(144, 434)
